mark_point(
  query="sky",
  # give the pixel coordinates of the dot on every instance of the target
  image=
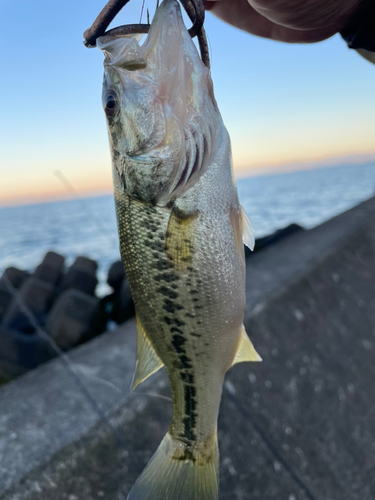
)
(285, 106)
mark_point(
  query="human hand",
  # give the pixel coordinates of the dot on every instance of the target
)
(293, 21)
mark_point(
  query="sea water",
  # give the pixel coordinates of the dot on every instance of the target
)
(88, 226)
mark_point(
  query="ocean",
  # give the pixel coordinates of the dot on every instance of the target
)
(88, 226)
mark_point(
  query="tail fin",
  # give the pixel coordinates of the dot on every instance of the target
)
(172, 474)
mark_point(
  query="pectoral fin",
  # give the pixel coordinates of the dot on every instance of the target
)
(246, 229)
(148, 362)
(245, 350)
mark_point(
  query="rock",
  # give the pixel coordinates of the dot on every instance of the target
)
(80, 278)
(90, 264)
(6, 297)
(273, 238)
(123, 306)
(21, 352)
(75, 318)
(116, 274)
(16, 276)
(298, 426)
(54, 259)
(47, 273)
(37, 296)
(50, 270)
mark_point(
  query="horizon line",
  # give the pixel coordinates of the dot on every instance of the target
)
(360, 159)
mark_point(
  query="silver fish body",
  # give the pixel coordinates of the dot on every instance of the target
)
(181, 230)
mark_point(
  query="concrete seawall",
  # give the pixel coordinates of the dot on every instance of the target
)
(300, 425)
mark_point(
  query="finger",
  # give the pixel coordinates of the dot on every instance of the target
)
(240, 14)
(307, 15)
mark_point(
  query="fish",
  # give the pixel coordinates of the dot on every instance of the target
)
(182, 233)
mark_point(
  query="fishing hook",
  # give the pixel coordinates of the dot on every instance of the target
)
(194, 8)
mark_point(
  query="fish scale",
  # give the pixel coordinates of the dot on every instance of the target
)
(181, 234)
(174, 326)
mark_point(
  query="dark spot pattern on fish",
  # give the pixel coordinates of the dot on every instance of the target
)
(178, 322)
(162, 265)
(178, 341)
(167, 277)
(190, 419)
(187, 377)
(185, 362)
(167, 292)
(168, 320)
(171, 306)
(172, 275)
(176, 330)
(154, 245)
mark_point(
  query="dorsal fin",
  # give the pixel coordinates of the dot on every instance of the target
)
(246, 229)
(234, 216)
(245, 350)
(148, 362)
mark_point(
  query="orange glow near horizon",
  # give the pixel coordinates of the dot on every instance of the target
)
(48, 187)
(25, 190)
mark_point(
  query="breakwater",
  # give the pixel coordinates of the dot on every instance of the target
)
(297, 426)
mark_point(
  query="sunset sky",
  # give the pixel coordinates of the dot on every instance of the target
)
(283, 105)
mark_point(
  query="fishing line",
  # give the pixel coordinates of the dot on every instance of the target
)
(151, 395)
(143, 4)
(62, 356)
(76, 196)
(72, 369)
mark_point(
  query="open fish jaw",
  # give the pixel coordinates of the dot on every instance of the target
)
(160, 107)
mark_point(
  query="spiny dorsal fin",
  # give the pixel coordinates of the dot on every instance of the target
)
(148, 362)
(245, 350)
(246, 229)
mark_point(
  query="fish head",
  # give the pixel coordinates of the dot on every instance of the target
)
(160, 108)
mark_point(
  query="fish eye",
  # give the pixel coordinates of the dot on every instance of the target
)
(111, 104)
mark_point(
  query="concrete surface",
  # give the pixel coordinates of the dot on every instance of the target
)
(298, 426)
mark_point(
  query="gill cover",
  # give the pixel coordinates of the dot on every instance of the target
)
(160, 107)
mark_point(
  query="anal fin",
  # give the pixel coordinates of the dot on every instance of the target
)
(148, 362)
(245, 351)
